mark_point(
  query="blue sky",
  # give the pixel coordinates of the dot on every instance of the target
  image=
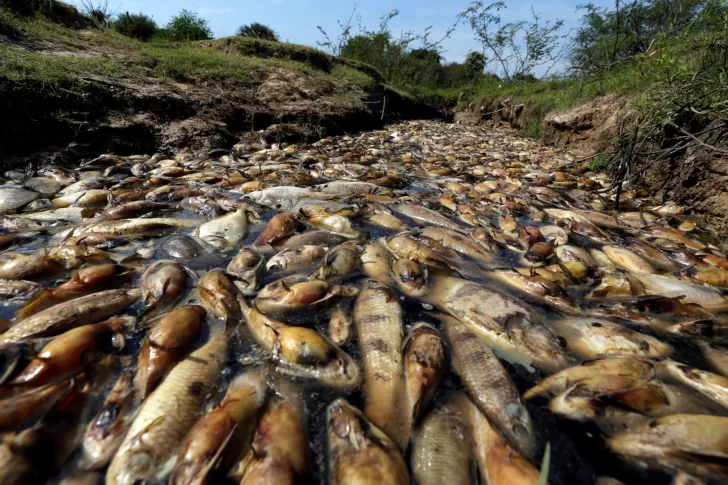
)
(296, 20)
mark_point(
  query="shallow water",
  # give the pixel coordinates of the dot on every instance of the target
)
(579, 454)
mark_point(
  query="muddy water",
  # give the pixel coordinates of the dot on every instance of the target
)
(485, 179)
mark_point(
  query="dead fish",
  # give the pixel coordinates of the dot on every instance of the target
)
(314, 238)
(340, 324)
(705, 275)
(626, 259)
(555, 235)
(166, 344)
(424, 366)
(12, 198)
(148, 451)
(716, 355)
(301, 351)
(489, 385)
(405, 247)
(338, 262)
(107, 429)
(410, 277)
(31, 267)
(227, 230)
(336, 224)
(245, 267)
(282, 297)
(150, 227)
(712, 386)
(672, 235)
(290, 260)
(536, 288)
(23, 409)
(272, 195)
(279, 227)
(129, 210)
(43, 185)
(54, 440)
(625, 366)
(425, 216)
(162, 284)
(617, 402)
(223, 434)
(74, 313)
(70, 214)
(378, 320)
(592, 338)
(458, 242)
(360, 452)
(344, 188)
(182, 247)
(279, 454)
(498, 462)
(220, 294)
(376, 263)
(441, 451)
(694, 443)
(506, 324)
(82, 282)
(64, 355)
(709, 298)
(386, 221)
(715, 331)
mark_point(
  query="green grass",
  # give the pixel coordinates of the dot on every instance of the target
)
(233, 62)
(543, 97)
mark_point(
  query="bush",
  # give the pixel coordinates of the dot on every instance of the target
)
(187, 26)
(258, 31)
(138, 26)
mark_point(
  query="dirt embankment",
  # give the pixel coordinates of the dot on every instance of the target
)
(68, 94)
(696, 178)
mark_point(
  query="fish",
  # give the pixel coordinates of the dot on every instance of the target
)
(360, 452)
(712, 299)
(506, 324)
(489, 385)
(425, 216)
(148, 451)
(536, 288)
(66, 354)
(107, 428)
(621, 366)
(23, 409)
(315, 238)
(279, 227)
(498, 462)
(340, 326)
(279, 453)
(220, 294)
(593, 338)
(166, 344)
(459, 242)
(410, 277)
(290, 260)
(338, 262)
(223, 434)
(75, 313)
(282, 297)
(150, 227)
(12, 198)
(301, 351)
(226, 230)
(626, 259)
(694, 443)
(162, 284)
(376, 263)
(441, 449)
(716, 355)
(245, 267)
(710, 385)
(336, 224)
(378, 320)
(82, 282)
(424, 367)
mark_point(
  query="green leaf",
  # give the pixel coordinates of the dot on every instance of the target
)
(543, 478)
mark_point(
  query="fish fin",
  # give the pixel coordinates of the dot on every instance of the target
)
(138, 438)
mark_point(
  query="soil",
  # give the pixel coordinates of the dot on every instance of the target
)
(41, 123)
(589, 128)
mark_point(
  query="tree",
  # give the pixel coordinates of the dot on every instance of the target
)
(186, 26)
(258, 31)
(517, 47)
(138, 26)
(474, 64)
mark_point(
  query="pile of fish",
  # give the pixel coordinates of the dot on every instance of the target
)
(434, 308)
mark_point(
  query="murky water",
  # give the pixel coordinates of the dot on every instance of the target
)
(480, 179)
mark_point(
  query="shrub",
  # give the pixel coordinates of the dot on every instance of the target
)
(258, 31)
(138, 26)
(187, 26)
